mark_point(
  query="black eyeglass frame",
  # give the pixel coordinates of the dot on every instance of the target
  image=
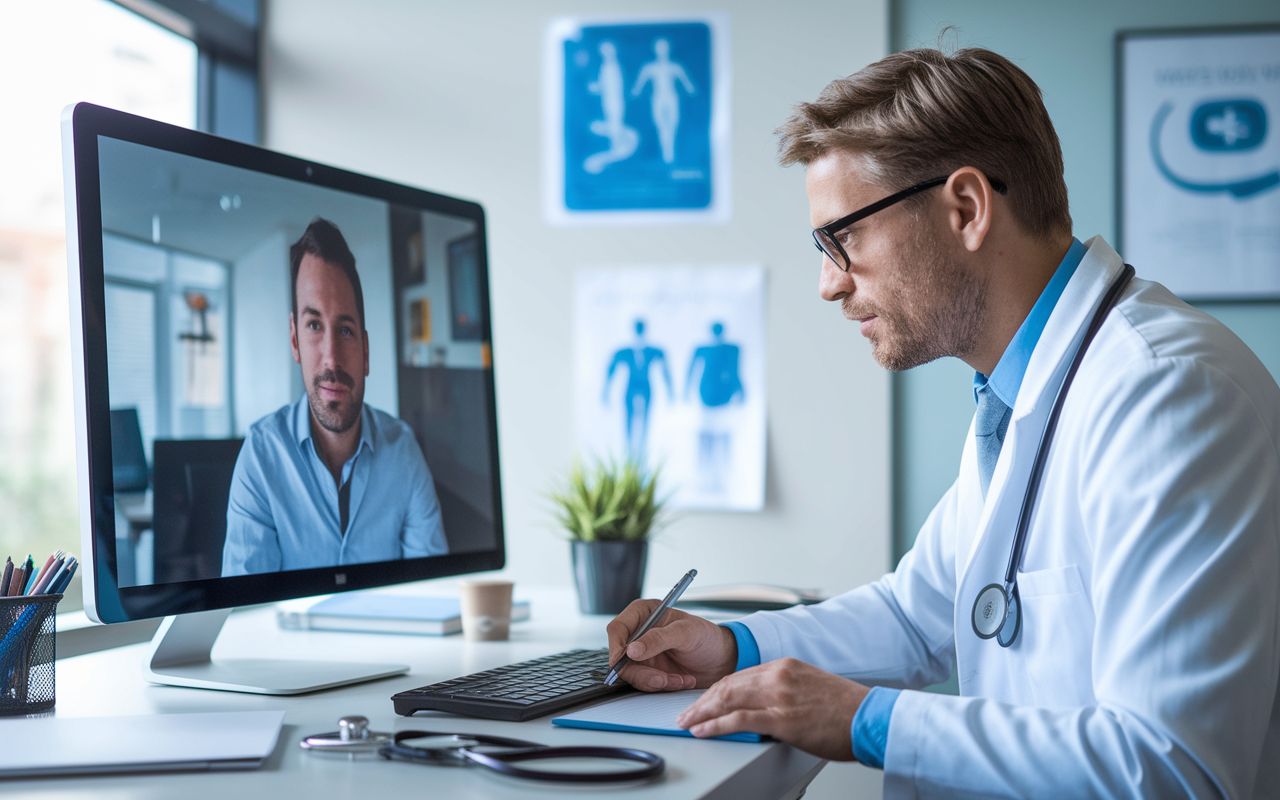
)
(832, 228)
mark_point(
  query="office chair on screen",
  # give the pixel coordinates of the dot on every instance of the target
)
(128, 455)
(192, 485)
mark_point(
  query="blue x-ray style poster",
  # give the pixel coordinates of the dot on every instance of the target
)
(669, 368)
(637, 120)
(1201, 161)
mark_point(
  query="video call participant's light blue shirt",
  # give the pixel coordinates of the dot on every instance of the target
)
(870, 728)
(284, 512)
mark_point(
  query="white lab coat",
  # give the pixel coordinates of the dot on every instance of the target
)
(1150, 649)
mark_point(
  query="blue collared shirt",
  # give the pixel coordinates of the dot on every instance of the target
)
(870, 728)
(284, 509)
(1006, 378)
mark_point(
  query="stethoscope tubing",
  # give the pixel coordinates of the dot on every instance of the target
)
(518, 750)
(1109, 302)
(504, 763)
(1004, 600)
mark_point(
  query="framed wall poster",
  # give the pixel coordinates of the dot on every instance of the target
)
(636, 120)
(1198, 161)
(669, 370)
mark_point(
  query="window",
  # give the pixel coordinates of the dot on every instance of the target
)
(54, 53)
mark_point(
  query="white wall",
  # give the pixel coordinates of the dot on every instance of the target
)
(448, 97)
(372, 249)
(265, 374)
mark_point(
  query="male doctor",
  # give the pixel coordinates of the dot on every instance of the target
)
(1149, 650)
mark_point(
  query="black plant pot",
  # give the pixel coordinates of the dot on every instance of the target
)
(609, 574)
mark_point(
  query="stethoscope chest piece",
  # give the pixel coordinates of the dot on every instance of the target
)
(989, 611)
(997, 612)
(353, 736)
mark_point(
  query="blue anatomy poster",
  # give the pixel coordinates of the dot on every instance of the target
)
(637, 120)
(669, 370)
(1200, 161)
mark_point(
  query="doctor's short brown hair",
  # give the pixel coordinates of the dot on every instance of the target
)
(920, 114)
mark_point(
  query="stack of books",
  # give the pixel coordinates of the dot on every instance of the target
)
(369, 612)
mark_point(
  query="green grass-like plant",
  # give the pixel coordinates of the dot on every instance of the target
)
(609, 502)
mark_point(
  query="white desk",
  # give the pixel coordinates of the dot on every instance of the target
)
(110, 683)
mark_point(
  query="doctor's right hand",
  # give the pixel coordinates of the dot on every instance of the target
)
(680, 652)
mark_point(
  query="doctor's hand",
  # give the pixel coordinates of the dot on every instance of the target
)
(680, 652)
(788, 699)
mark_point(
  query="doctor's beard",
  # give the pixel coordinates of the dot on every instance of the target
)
(929, 307)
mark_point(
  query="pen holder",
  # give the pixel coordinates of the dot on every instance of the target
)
(27, 649)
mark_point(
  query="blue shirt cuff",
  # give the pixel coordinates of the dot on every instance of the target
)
(748, 650)
(870, 729)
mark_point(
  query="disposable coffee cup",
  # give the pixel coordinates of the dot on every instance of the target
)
(486, 610)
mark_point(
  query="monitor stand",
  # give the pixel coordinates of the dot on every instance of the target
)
(180, 655)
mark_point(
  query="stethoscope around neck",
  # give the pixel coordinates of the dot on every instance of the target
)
(997, 610)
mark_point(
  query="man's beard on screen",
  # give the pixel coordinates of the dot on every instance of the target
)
(335, 416)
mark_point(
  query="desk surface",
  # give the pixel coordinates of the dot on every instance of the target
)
(110, 683)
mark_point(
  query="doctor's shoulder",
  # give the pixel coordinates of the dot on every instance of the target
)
(1174, 372)
(1165, 328)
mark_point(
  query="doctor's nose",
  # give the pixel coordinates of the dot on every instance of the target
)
(834, 283)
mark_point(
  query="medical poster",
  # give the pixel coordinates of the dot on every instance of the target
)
(637, 120)
(669, 368)
(1200, 161)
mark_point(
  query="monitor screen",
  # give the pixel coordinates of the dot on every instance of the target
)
(285, 369)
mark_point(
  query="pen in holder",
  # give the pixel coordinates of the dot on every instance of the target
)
(27, 649)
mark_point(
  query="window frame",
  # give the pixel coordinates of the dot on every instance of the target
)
(228, 72)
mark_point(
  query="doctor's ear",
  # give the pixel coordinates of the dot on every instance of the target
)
(293, 338)
(970, 203)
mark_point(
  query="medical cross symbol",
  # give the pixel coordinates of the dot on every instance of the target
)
(1229, 126)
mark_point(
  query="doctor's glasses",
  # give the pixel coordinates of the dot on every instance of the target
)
(825, 240)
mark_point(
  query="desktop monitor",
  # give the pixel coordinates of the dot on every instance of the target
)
(283, 383)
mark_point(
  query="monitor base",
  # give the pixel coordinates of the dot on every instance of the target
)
(180, 655)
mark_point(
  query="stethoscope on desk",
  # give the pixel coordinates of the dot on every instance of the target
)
(500, 754)
(997, 609)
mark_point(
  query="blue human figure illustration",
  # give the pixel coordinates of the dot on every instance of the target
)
(623, 139)
(664, 104)
(639, 358)
(718, 386)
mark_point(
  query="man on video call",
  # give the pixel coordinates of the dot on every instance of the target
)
(329, 480)
(1144, 655)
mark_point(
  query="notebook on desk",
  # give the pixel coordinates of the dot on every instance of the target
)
(644, 713)
(216, 740)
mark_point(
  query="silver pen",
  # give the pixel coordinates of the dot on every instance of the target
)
(654, 618)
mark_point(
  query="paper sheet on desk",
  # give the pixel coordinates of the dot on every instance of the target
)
(644, 713)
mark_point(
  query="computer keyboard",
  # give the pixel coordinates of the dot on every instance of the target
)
(518, 691)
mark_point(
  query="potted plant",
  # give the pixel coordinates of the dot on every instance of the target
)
(609, 511)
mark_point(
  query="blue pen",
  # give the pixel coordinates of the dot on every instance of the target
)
(68, 572)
